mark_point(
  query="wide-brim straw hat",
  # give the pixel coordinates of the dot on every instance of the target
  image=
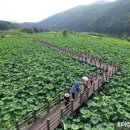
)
(85, 78)
(67, 95)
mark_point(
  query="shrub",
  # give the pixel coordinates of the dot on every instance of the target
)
(3, 36)
(65, 33)
(27, 30)
(128, 39)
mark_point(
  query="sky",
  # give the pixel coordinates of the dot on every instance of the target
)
(36, 10)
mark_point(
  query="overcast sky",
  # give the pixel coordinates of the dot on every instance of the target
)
(36, 10)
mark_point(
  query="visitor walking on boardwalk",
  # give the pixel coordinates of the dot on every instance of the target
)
(74, 92)
(100, 60)
(101, 72)
(91, 78)
(84, 83)
(77, 86)
(67, 98)
(106, 69)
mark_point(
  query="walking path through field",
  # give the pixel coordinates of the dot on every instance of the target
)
(52, 119)
(56, 109)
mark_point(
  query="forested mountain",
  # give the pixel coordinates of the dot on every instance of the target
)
(4, 25)
(112, 17)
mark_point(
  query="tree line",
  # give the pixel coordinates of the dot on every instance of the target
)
(4, 25)
(32, 30)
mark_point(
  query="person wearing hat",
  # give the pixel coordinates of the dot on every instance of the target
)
(84, 85)
(67, 98)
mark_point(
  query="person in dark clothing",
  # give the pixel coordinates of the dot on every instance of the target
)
(74, 92)
(106, 69)
(100, 59)
(101, 72)
(77, 86)
(67, 99)
(91, 78)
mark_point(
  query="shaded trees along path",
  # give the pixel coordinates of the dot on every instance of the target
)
(48, 116)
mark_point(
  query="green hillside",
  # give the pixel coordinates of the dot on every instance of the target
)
(113, 17)
(4, 25)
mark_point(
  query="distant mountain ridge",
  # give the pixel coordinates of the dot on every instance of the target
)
(113, 17)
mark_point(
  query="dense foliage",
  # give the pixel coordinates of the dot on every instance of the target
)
(111, 18)
(113, 102)
(7, 25)
(30, 74)
(32, 30)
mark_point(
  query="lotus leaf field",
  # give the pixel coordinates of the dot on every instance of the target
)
(112, 103)
(31, 73)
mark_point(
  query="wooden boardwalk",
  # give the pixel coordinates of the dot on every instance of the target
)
(50, 113)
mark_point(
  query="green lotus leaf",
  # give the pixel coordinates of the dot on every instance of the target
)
(6, 117)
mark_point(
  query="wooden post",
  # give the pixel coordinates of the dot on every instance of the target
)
(90, 59)
(96, 74)
(34, 116)
(93, 86)
(48, 106)
(80, 98)
(115, 66)
(87, 94)
(103, 68)
(106, 73)
(88, 55)
(82, 57)
(59, 98)
(72, 103)
(118, 67)
(79, 56)
(72, 53)
(95, 61)
(86, 59)
(48, 124)
(103, 78)
(112, 71)
(100, 64)
(109, 73)
(98, 82)
(17, 125)
(61, 111)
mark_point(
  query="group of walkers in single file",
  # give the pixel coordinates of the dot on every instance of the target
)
(78, 88)
(81, 87)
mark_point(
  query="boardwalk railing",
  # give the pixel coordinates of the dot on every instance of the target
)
(33, 116)
(51, 123)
